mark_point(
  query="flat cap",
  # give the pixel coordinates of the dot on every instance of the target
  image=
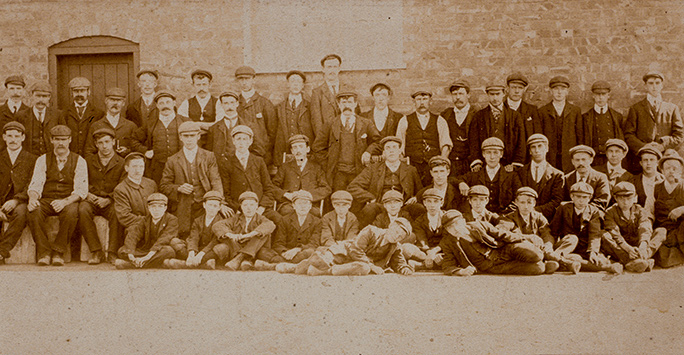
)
(432, 193)
(439, 160)
(624, 188)
(163, 93)
(244, 71)
(615, 142)
(653, 74)
(670, 154)
(600, 86)
(104, 131)
(242, 129)
(295, 72)
(517, 78)
(212, 195)
(387, 139)
(421, 93)
(478, 190)
(16, 80)
(651, 148)
(459, 84)
(392, 195)
(157, 197)
(189, 127)
(154, 73)
(341, 196)
(559, 80)
(451, 216)
(527, 191)
(41, 86)
(537, 138)
(302, 195)
(115, 92)
(13, 125)
(345, 93)
(331, 56)
(229, 93)
(582, 187)
(201, 72)
(248, 195)
(404, 224)
(298, 138)
(582, 149)
(134, 155)
(380, 86)
(494, 87)
(492, 143)
(79, 82)
(60, 131)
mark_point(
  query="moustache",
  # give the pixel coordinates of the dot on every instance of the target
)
(346, 109)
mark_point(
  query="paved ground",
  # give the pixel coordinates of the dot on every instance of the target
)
(81, 309)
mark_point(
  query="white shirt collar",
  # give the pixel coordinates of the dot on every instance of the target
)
(381, 113)
(394, 167)
(230, 122)
(166, 120)
(13, 154)
(461, 114)
(613, 167)
(137, 182)
(302, 164)
(341, 220)
(248, 94)
(655, 101)
(242, 157)
(148, 100)
(332, 84)
(203, 102)
(542, 165)
(499, 108)
(577, 211)
(84, 104)
(11, 103)
(491, 172)
(301, 219)
(352, 120)
(559, 106)
(297, 99)
(38, 113)
(600, 109)
(190, 154)
(513, 105)
(434, 221)
(113, 120)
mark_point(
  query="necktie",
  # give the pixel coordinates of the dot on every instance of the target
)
(292, 104)
(80, 110)
(41, 116)
(14, 109)
(334, 87)
(536, 174)
(347, 124)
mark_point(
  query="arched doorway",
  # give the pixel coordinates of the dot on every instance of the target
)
(105, 60)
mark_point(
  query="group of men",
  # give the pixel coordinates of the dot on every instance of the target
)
(313, 186)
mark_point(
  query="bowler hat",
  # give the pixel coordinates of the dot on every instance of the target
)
(331, 56)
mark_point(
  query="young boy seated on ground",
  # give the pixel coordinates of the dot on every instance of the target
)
(669, 209)
(373, 251)
(147, 242)
(299, 234)
(429, 231)
(455, 261)
(392, 201)
(535, 228)
(581, 220)
(242, 238)
(628, 231)
(339, 224)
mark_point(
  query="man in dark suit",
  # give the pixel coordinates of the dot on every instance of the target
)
(17, 165)
(294, 116)
(219, 139)
(561, 124)
(652, 120)
(538, 174)
(142, 109)
(324, 105)
(115, 101)
(497, 120)
(383, 117)
(81, 113)
(9, 111)
(645, 182)
(40, 119)
(440, 169)
(581, 157)
(601, 123)
(459, 119)
(516, 86)
(259, 114)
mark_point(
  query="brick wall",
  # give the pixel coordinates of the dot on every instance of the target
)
(481, 41)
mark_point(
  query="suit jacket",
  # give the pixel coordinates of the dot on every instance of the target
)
(452, 199)
(589, 125)
(600, 183)
(201, 238)
(549, 188)
(617, 176)
(426, 237)
(514, 134)
(130, 200)
(80, 128)
(571, 134)
(538, 225)
(291, 235)
(124, 130)
(53, 117)
(220, 141)
(302, 124)
(531, 120)
(255, 178)
(134, 112)
(327, 145)
(260, 115)
(369, 247)
(15, 178)
(369, 184)
(507, 184)
(141, 239)
(6, 116)
(382, 220)
(331, 232)
(637, 181)
(324, 107)
(634, 230)
(290, 178)
(390, 128)
(588, 231)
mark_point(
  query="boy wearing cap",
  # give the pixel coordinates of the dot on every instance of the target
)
(652, 120)
(105, 172)
(130, 195)
(538, 174)
(115, 102)
(440, 170)
(158, 139)
(16, 164)
(40, 119)
(13, 106)
(375, 180)
(459, 119)
(59, 182)
(381, 115)
(143, 108)
(582, 156)
(339, 224)
(562, 124)
(80, 114)
(601, 123)
(259, 114)
(245, 236)
(580, 221)
(454, 259)
(501, 183)
(497, 121)
(147, 240)
(478, 199)
(425, 135)
(628, 231)
(294, 116)
(299, 234)
(202, 107)
(616, 150)
(516, 86)
(669, 209)
(324, 104)
(392, 203)
(645, 182)
(297, 174)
